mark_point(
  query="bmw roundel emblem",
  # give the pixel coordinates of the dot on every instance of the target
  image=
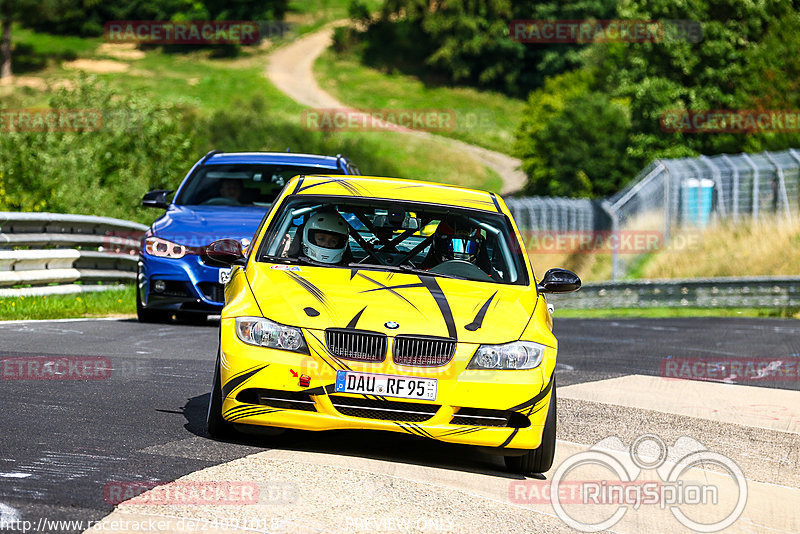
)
(391, 325)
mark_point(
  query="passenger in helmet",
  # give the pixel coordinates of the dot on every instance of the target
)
(325, 237)
(455, 240)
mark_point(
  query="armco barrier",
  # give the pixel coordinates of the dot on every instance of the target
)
(744, 292)
(49, 252)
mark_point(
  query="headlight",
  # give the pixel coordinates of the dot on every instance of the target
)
(155, 246)
(515, 355)
(265, 333)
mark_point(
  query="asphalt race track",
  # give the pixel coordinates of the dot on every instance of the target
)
(63, 441)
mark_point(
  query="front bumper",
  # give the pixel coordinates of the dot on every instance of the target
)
(191, 285)
(261, 387)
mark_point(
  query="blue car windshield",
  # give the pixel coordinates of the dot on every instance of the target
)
(241, 184)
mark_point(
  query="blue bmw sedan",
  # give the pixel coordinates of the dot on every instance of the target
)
(224, 195)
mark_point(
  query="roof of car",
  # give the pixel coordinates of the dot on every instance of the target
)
(288, 158)
(395, 188)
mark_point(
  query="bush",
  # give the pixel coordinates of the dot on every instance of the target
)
(573, 140)
(140, 145)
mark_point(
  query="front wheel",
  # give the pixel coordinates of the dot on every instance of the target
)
(150, 316)
(218, 428)
(541, 459)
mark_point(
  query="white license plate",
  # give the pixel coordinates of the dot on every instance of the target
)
(224, 276)
(404, 387)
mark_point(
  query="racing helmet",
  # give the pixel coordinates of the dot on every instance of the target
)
(458, 241)
(325, 237)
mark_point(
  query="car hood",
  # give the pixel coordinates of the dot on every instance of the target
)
(200, 225)
(319, 298)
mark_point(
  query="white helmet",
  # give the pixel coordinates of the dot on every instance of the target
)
(325, 237)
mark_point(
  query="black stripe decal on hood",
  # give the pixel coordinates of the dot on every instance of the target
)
(436, 292)
(387, 288)
(478, 321)
(236, 381)
(354, 321)
(308, 286)
(541, 395)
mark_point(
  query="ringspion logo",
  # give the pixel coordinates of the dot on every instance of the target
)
(594, 489)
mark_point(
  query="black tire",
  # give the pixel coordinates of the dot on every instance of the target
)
(217, 427)
(150, 316)
(541, 459)
(143, 314)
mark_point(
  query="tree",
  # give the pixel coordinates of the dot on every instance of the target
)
(573, 140)
(468, 42)
(11, 11)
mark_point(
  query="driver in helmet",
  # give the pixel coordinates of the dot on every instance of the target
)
(325, 237)
(454, 240)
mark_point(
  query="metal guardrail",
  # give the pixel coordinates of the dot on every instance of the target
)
(744, 292)
(45, 251)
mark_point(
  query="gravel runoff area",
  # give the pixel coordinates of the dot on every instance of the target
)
(301, 491)
(309, 493)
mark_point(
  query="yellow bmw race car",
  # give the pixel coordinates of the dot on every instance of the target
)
(389, 304)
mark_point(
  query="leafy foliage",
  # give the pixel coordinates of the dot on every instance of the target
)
(746, 60)
(141, 145)
(468, 42)
(86, 17)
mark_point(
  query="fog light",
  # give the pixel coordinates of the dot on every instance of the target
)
(159, 286)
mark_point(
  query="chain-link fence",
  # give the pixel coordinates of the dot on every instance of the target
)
(675, 193)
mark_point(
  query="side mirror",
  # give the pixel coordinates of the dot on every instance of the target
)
(156, 199)
(559, 281)
(223, 253)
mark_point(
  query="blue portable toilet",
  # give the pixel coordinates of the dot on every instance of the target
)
(696, 196)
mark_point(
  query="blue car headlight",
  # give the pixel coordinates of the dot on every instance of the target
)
(155, 246)
(265, 333)
(515, 355)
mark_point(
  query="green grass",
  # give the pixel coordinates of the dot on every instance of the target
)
(482, 118)
(655, 313)
(196, 80)
(312, 14)
(100, 304)
(54, 45)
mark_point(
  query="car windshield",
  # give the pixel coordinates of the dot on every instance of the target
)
(396, 236)
(241, 184)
